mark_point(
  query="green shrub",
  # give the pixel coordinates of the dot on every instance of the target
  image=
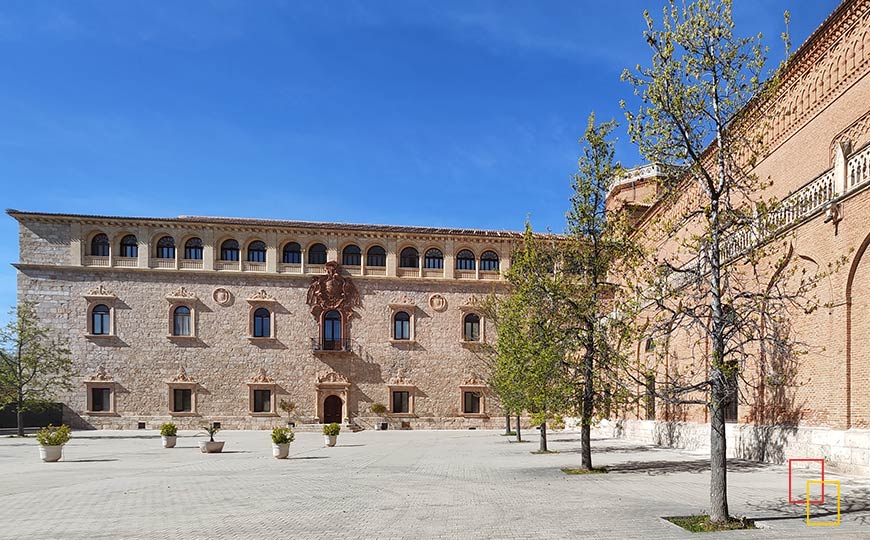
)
(282, 435)
(53, 436)
(379, 408)
(211, 429)
(331, 429)
(168, 430)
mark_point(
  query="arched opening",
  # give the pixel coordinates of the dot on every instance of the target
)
(377, 256)
(317, 254)
(165, 248)
(351, 256)
(129, 246)
(433, 259)
(402, 326)
(257, 251)
(471, 327)
(181, 321)
(332, 406)
(100, 245)
(465, 260)
(292, 254)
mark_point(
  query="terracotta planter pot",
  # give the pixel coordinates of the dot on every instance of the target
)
(211, 447)
(168, 441)
(281, 451)
(50, 454)
(329, 440)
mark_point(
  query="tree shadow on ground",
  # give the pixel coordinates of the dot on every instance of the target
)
(77, 437)
(309, 457)
(670, 467)
(852, 501)
(90, 460)
(612, 449)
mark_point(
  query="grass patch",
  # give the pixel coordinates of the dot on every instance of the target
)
(594, 470)
(509, 434)
(545, 452)
(515, 441)
(702, 523)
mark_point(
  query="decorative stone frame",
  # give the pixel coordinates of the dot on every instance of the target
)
(402, 384)
(332, 384)
(178, 298)
(100, 380)
(260, 381)
(470, 307)
(261, 299)
(408, 306)
(100, 295)
(473, 384)
(181, 381)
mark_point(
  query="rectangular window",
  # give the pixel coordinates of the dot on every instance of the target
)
(193, 253)
(181, 400)
(262, 401)
(400, 402)
(471, 402)
(100, 399)
(292, 257)
(650, 397)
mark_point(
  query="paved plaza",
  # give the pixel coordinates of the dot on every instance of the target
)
(391, 485)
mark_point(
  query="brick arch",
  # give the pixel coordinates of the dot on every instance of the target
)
(857, 349)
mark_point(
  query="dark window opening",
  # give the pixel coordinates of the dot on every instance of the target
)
(377, 256)
(257, 251)
(262, 319)
(400, 402)
(351, 256)
(465, 260)
(181, 321)
(317, 254)
(433, 259)
(100, 320)
(230, 250)
(193, 249)
(262, 401)
(100, 399)
(181, 400)
(650, 397)
(471, 402)
(409, 258)
(100, 245)
(489, 261)
(402, 326)
(129, 246)
(292, 254)
(332, 331)
(471, 330)
(166, 248)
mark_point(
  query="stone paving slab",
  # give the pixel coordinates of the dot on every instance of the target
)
(390, 485)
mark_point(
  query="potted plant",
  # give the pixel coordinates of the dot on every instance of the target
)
(211, 446)
(168, 433)
(380, 409)
(330, 433)
(281, 439)
(288, 407)
(51, 440)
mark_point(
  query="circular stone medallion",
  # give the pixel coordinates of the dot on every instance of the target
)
(223, 297)
(437, 302)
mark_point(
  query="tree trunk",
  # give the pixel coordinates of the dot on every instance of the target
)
(543, 447)
(519, 435)
(718, 460)
(507, 423)
(586, 416)
(19, 415)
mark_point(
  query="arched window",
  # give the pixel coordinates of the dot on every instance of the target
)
(193, 249)
(471, 327)
(129, 246)
(351, 256)
(489, 261)
(257, 251)
(332, 331)
(409, 258)
(262, 323)
(181, 321)
(317, 254)
(100, 320)
(292, 254)
(230, 250)
(100, 245)
(402, 326)
(465, 260)
(433, 259)
(377, 256)
(166, 248)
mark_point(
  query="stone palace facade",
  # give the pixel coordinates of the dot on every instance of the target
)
(198, 320)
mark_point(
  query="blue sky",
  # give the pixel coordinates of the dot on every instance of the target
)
(462, 114)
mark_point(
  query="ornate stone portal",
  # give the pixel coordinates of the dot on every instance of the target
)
(331, 386)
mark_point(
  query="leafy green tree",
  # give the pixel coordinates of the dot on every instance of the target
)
(527, 367)
(35, 365)
(599, 245)
(697, 118)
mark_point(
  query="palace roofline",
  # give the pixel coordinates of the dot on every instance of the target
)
(258, 222)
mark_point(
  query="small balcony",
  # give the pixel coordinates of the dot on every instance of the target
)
(253, 266)
(93, 260)
(290, 268)
(190, 264)
(126, 262)
(323, 346)
(162, 263)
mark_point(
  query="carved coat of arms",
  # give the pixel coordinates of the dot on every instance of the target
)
(333, 292)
